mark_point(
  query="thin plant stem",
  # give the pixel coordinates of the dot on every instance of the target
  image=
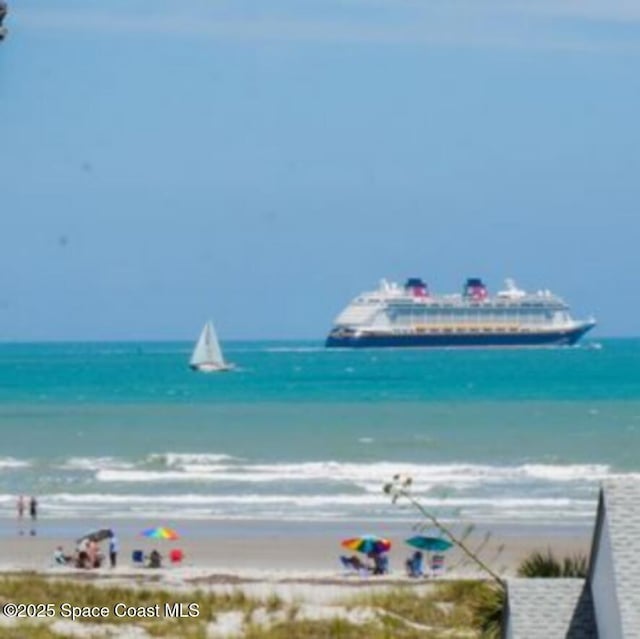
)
(442, 528)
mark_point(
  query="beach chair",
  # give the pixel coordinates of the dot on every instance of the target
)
(347, 564)
(437, 565)
(137, 558)
(351, 567)
(176, 556)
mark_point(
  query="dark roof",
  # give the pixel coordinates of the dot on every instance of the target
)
(550, 609)
(622, 510)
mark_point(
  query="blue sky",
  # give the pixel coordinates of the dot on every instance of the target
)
(261, 163)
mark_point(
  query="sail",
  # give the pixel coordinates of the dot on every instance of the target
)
(207, 350)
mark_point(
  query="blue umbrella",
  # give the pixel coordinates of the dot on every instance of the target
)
(430, 544)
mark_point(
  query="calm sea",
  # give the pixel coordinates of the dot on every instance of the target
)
(299, 432)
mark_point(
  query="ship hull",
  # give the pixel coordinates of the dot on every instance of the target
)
(211, 368)
(566, 337)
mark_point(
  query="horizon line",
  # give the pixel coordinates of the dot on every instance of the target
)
(134, 340)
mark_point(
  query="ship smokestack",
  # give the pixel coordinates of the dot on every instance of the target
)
(416, 287)
(475, 289)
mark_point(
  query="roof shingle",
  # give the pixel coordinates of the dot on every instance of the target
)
(622, 510)
(550, 609)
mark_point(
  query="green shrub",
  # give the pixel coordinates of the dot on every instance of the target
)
(539, 564)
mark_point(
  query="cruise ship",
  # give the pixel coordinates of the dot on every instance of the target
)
(410, 316)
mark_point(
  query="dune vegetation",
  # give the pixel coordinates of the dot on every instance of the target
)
(401, 611)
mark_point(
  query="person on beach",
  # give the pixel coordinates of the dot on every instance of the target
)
(82, 560)
(20, 509)
(33, 511)
(33, 508)
(83, 544)
(93, 552)
(380, 563)
(60, 558)
(81, 554)
(155, 559)
(114, 547)
(414, 565)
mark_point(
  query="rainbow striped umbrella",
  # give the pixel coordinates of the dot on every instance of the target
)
(160, 533)
(368, 544)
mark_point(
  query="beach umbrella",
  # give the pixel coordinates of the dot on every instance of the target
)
(367, 544)
(97, 535)
(160, 532)
(430, 544)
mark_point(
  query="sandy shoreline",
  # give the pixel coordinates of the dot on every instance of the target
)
(251, 549)
(297, 563)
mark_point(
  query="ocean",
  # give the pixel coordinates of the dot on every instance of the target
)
(297, 432)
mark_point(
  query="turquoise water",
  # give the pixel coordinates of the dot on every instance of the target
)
(126, 429)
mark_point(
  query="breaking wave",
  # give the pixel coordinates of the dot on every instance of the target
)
(219, 485)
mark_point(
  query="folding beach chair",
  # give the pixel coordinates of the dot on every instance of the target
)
(351, 568)
(437, 565)
(176, 556)
(347, 564)
(137, 558)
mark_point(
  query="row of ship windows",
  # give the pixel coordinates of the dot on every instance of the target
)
(471, 322)
(449, 319)
(471, 329)
(488, 305)
(475, 312)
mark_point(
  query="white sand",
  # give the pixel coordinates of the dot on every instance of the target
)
(257, 550)
(288, 561)
(294, 566)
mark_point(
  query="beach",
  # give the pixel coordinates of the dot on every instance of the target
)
(265, 471)
(286, 285)
(272, 549)
(294, 563)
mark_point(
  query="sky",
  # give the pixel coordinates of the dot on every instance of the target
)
(261, 163)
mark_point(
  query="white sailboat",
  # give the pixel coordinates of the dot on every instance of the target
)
(207, 356)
